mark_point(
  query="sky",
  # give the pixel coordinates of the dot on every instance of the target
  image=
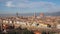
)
(29, 6)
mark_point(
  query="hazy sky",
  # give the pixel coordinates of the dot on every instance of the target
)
(28, 6)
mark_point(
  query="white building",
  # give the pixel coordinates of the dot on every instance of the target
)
(41, 25)
(5, 21)
(58, 26)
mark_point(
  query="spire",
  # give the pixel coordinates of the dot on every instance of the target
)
(34, 14)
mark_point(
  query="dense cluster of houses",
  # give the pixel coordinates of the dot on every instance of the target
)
(32, 22)
(47, 22)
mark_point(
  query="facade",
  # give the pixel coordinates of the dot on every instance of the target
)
(58, 26)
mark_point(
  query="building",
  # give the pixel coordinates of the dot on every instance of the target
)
(41, 14)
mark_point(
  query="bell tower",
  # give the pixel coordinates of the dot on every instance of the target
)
(34, 15)
(17, 14)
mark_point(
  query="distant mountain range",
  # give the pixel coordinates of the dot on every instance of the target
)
(53, 14)
(31, 14)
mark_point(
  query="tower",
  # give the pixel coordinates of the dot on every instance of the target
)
(17, 14)
(34, 15)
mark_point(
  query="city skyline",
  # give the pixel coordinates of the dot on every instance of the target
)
(28, 6)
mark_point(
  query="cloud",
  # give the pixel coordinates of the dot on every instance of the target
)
(9, 4)
(48, 6)
(30, 4)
